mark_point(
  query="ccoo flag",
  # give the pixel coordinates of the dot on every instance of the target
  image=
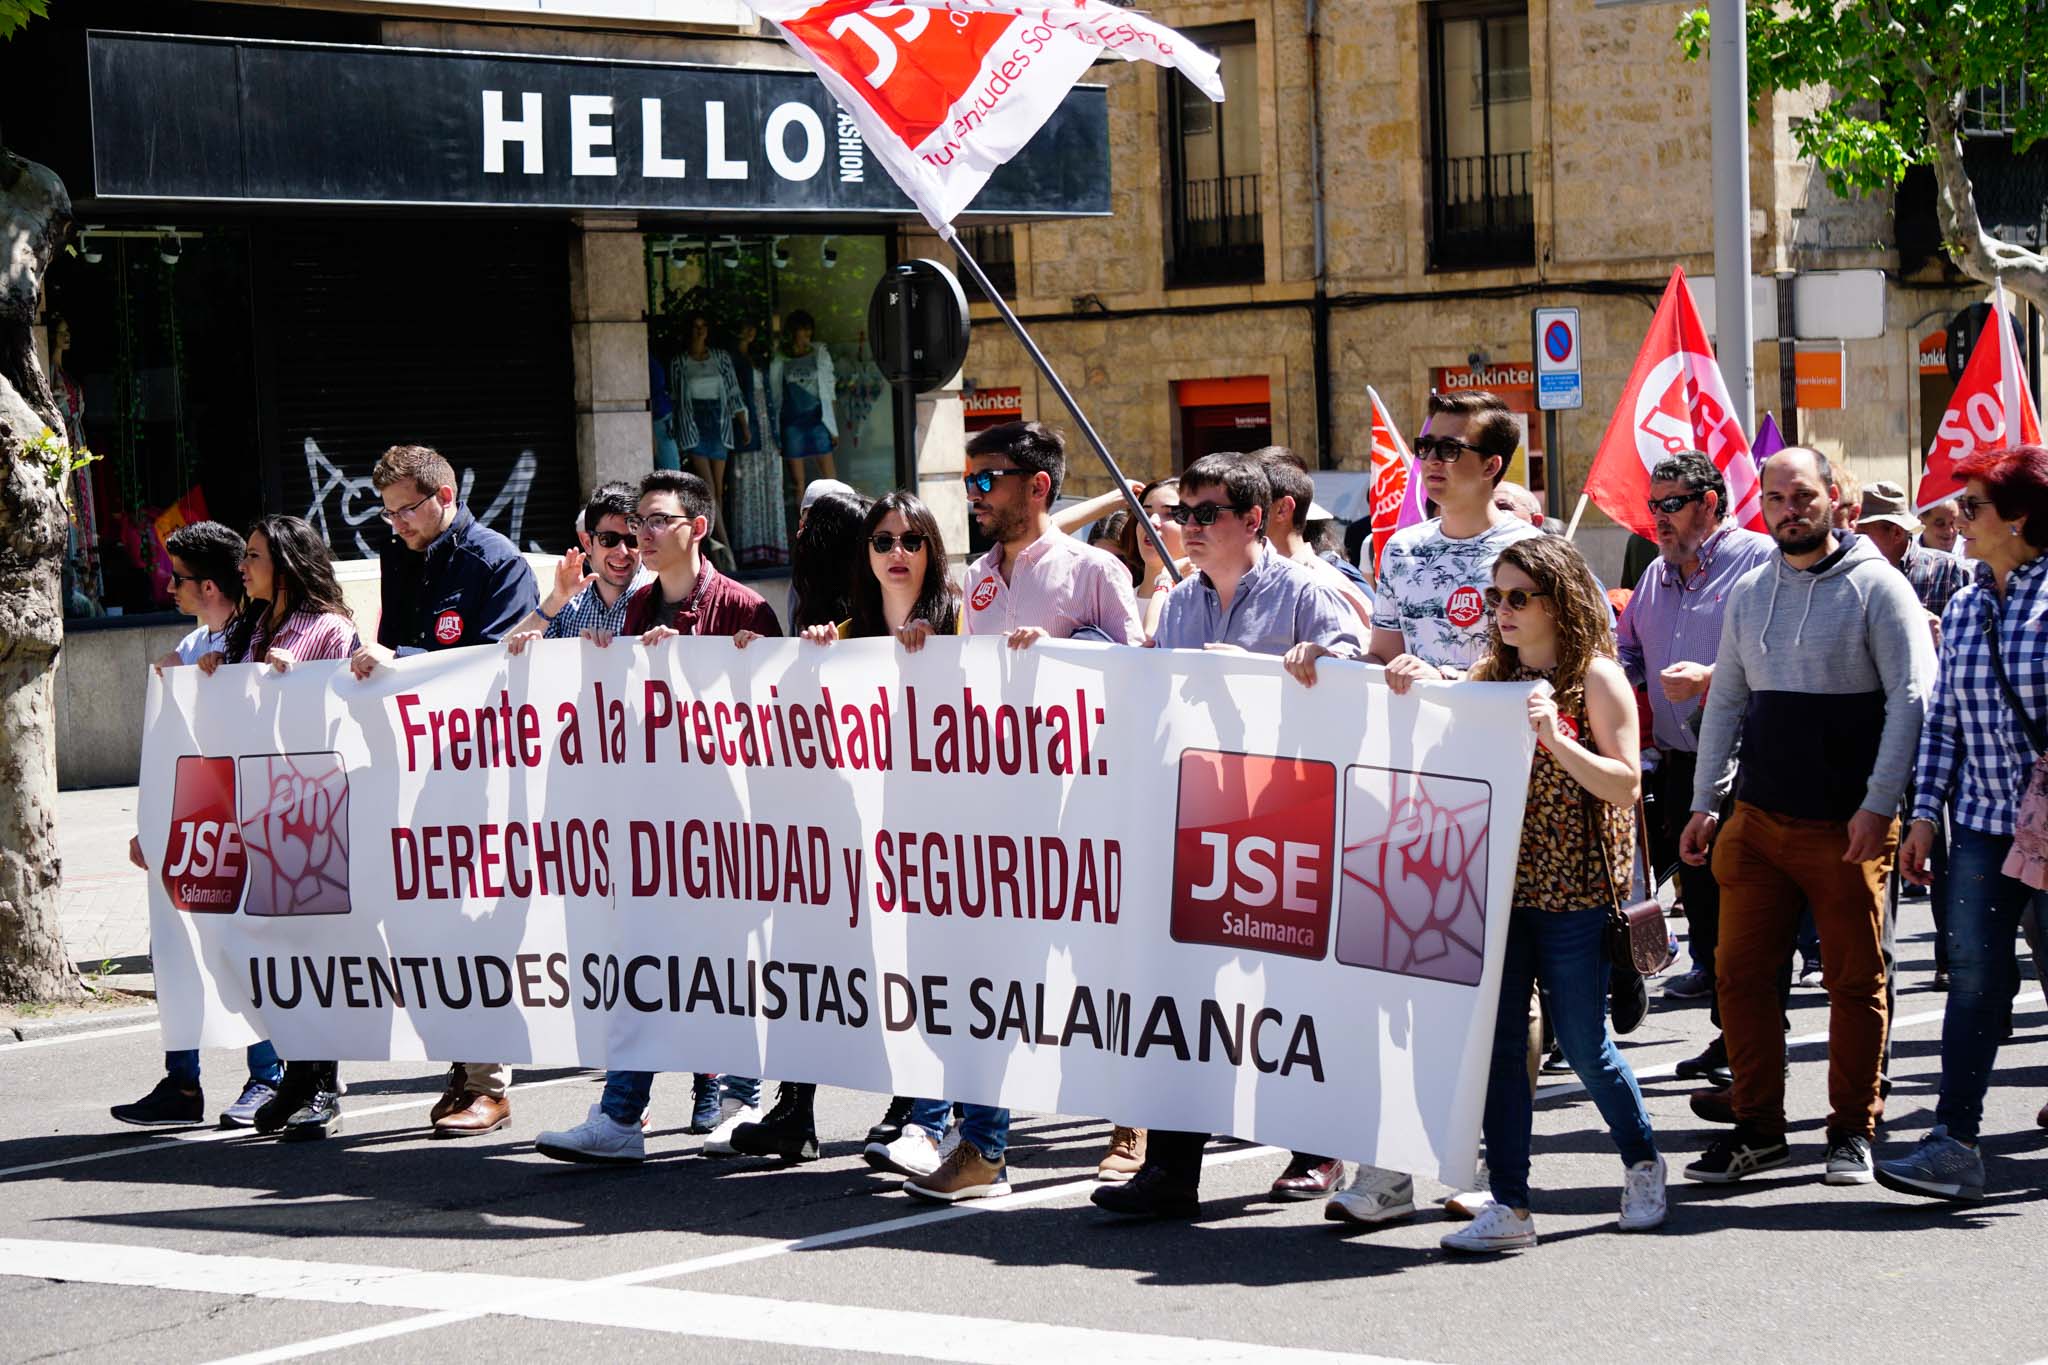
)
(1991, 408)
(1675, 399)
(1392, 468)
(945, 91)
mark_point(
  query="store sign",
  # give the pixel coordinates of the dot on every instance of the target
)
(1818, 373)
(259, 121)
(987, 408)
(1514, 383)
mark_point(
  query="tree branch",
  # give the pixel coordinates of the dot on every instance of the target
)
(1976, 252)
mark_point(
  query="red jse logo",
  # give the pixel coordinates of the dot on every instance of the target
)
(1254, 854)
(204, 867)
(1465, 607)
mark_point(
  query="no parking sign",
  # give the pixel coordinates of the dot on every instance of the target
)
(1559, 382)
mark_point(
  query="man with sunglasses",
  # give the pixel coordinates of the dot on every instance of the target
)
(447, 580)
(595, 600)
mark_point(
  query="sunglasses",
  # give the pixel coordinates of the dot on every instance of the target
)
(1442, 449)
(984, 481)
(181, 578)
(1676, 503)
(1968, 508)
(612, 540)
(882, 543)
(1517, 599)
(1200, 513)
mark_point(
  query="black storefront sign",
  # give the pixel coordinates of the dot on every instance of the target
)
(200, 119)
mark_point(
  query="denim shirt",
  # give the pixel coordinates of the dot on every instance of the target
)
(1277, 605)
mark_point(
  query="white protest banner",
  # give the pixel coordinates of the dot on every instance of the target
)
(1177, 888)
(945, 91)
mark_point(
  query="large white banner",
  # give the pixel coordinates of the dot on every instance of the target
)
(1174, 888)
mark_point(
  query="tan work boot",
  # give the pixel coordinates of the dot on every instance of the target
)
(1125, 1157)
(966, 1174)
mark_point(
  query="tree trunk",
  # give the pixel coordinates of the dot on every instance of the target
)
(1976, 252)
(35, 211)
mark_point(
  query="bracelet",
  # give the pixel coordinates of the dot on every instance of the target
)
(542, 612)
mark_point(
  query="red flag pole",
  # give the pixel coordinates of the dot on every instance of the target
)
(1116, 475)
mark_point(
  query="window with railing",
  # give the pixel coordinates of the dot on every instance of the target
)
(1215, 232)
(1994, 110)
(1482, 209)
(995, 250)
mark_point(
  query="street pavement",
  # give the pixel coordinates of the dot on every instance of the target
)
(379, 1244)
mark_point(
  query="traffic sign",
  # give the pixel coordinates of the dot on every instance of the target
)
(1559, 373)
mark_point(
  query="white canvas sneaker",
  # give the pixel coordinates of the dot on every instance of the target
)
(913, 1154)
(1642, 1196)
(1497, 1228)
(598, 1140)
(1373, 1196)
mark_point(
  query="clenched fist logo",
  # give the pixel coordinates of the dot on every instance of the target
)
(1413, 896)
(295, 827)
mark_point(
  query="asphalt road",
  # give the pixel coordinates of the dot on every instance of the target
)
(382, 1245)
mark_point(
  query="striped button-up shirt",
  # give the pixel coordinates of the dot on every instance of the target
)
(1974, 752)
(587, 611)
(1936, 576)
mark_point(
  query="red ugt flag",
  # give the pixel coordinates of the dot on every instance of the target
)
(1991, 408)
(945, 91)
(1390, 471)
(1674, 400)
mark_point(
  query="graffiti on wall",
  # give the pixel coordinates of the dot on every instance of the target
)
(355, 503)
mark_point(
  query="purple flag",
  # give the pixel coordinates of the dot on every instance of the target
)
(1413, 508)
(1769, 440)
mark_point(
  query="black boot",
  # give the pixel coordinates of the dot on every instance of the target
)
(301, 1080)
(788, 1131)
(321, 1113)
(893, 1119)
(1710, 1065)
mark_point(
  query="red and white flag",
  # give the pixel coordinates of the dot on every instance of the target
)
(1675, 399)
(1991, 408)
(945, 91)
(1392, 467)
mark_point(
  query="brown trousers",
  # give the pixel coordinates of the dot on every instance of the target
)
(1771, 867)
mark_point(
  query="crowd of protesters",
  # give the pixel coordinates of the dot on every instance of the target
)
(1770, 707)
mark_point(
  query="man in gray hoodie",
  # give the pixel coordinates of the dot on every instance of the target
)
(1819, 686)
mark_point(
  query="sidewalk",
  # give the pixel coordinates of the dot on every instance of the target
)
(103, 902)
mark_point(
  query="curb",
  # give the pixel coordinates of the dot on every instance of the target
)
(28, 1030)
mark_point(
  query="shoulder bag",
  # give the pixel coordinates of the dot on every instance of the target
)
(1637, 938)
(2028, 859)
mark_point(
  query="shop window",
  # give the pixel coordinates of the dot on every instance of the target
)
(790, 314)
(1482, 210)
(148, 343)
(995, 251)
(1216, 234)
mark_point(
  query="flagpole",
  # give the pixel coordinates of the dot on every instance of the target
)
(1116, 475)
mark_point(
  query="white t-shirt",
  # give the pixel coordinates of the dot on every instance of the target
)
(200, 643)
(1432, 589)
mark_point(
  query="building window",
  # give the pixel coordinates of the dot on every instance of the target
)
(996, 252)
(1482, 212)
(1215, 232)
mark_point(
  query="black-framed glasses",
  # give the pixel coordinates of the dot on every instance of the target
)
(882, 542)
(1517, 599)
(179, 579)
(1200, 513)
(983, 481)
(612, 540)
(1677, 502)
(1967, 507)
(1442, 449)
(656, 523)
(391, 516)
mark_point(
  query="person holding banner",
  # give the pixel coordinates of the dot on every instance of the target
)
(596, 600)
(1550, 625)
(687, 596)
(1245, 599)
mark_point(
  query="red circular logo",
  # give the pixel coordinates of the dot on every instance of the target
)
(1567, 726)
(448, 627)
(1465, 607)
(984, 593)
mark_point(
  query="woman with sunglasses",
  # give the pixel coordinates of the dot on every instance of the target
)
(1550, 624)
(293, 613)
(1987, 725)
(905, 592)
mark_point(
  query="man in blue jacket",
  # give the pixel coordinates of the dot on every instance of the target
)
(448, 581)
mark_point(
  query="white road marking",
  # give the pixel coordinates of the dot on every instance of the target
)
(619, 1302)
(9, 1048)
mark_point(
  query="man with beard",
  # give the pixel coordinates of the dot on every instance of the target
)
(1821, 684)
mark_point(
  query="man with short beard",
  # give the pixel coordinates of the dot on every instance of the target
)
(1820, 686)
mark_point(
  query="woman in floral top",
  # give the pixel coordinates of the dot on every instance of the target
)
(1550, 624)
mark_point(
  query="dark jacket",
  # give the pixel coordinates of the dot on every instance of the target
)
(718, 606)
(470, 587)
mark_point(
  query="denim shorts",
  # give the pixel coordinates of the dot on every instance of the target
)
(805, 442)
(710, 415)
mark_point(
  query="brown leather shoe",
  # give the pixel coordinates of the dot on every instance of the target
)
(478, 1115)
(1715, 1106)
(453, 1097)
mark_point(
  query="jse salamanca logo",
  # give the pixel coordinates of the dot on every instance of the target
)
(267, 833)
(1254, 852)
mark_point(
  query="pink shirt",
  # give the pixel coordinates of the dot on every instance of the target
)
(1059, 585)
(308, 635)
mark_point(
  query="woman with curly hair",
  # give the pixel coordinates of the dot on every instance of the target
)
(1550, 625)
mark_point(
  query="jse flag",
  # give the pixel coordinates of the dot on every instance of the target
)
(945, 91)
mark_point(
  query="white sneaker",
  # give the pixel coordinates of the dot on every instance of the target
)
(1467, 1203)
(1373, 1196)
(719, 1143)
(1642, 1196)
(913, 1153)
(1497, 1228)
(598, 1140)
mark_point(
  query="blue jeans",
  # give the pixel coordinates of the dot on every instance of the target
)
(626, 1093)
(1984, 908)
(984, 1126)
(1564, 953)
(183, 1067)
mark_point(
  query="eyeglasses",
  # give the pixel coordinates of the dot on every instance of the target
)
(882, 543)
(391, 517)
(1442, 449)
(1200, 513)
(611, 540)
(178, 579)
(1676, 503)
(1517, 599)
(984, 480)
(656, 523)
(1968, 508)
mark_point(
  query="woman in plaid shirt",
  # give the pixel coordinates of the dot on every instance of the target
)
(1976, 752)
